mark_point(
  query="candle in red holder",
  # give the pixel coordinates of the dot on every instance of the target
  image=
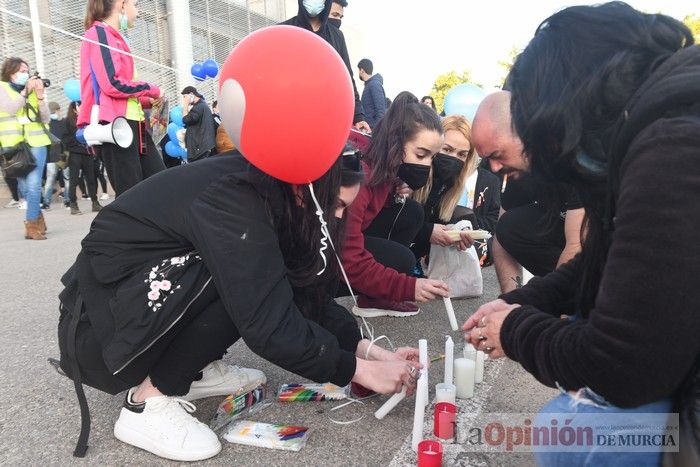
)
(444, 420)
(429, 454)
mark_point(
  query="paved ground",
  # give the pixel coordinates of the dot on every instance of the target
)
(39, 418)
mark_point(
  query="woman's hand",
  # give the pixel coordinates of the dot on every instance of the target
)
(387, 377)
(486, 335)
(429, 289)
(465, 241)
(403, 190)
(378, 353)
(440, 236)
(483, 311)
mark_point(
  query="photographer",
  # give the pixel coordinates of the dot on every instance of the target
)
(107, 77)
(23, 112)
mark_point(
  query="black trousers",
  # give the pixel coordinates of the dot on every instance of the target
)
(127, 167)
(12, 185)
(82, 164)
(529, 236)
(200, 337)
(100, 173)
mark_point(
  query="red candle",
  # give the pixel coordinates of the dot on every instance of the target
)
(429, 454)
(444, 420)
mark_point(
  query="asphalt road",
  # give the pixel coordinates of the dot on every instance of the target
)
(39, 417)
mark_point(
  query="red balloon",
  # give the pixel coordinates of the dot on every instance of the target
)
(287, 102)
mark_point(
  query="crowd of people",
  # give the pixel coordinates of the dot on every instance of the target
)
(582, 169)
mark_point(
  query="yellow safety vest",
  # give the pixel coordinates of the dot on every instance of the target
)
(10, 130)
(34, 131)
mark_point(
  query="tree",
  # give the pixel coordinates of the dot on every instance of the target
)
(445, 82)
(693, 22)
(507, 64)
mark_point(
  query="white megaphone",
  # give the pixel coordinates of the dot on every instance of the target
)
(118, 132)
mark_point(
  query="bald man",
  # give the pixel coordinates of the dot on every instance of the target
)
(528, 234)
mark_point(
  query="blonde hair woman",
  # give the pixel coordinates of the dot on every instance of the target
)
(457, 189)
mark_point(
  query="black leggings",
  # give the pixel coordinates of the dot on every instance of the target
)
(172, 362)
(526, 233)
(127, 167)
(100, 174)
(82, 164)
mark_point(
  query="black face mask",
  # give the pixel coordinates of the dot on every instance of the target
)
(415, 175)
(335, 22)
(447, 168)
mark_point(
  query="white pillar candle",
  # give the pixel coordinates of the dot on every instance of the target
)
(449, 359)
(445, 393)
(423, 359)
(390, 404)
(421, 396)
(450, 313)
(464, 377)
(470, 352)
(479, 371)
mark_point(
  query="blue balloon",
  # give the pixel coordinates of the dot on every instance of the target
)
(176, 116)
(173, 149)
(464, 99)
(172, 131)
(72, 90)
(211, 68)
(198, 73)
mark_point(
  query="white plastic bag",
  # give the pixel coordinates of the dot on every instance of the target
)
(460, 269)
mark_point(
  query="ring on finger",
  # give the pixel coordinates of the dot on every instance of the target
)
(488, 349)
(483, 322)
(482, 337)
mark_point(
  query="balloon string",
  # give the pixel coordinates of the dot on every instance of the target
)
(368, 329)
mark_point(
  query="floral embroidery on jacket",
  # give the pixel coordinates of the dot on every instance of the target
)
(159, 285)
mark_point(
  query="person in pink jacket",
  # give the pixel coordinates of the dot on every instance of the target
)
(108, 79)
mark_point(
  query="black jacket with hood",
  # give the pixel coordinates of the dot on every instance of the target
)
(335, 38)
(224, 211)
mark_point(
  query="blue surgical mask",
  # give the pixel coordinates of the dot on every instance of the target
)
(314, 7)
(123, 23)
(21, 79)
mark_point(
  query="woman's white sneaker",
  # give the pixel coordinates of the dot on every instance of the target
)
(163, 426)
(221, 379)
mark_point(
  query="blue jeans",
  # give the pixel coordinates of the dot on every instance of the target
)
(30, 185)
(566, 407)
(51, 171)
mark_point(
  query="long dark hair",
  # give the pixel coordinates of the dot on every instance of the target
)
(299, 232)
(402, 121)
(72, 116)
(569, 88)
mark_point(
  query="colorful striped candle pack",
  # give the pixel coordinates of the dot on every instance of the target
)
(311, 392)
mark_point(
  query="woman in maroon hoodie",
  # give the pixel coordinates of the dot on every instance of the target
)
(382, 222)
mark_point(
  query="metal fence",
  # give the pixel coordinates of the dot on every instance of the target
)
(216, 26)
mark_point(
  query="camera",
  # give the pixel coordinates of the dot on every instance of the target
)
(46, 82)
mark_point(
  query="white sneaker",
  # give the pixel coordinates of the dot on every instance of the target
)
(104, 196)
(221, 379)
(12, 204)
(22, 205)
(163, 426)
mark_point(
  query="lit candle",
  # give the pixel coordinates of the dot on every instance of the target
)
(445, 393)
(450, 313)
(479, 370)
(464, 377)
(392, 402)
(421, 396)
(444, 421)
(449, 359)
(429, 454)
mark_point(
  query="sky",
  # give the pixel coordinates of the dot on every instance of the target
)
(410, 42)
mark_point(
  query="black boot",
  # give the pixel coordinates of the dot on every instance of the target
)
(96, 206)
(74, 208)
